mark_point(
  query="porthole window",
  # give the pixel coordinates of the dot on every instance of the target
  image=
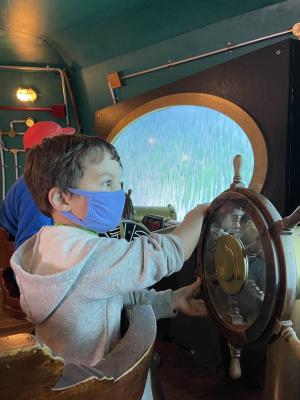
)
(181, 154)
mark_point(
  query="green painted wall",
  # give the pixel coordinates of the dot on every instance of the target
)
(84, 33)
(90, 83)
(48, 86)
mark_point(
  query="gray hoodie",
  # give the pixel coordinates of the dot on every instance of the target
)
(74, 285)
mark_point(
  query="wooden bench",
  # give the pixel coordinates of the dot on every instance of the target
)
(28, 370)
(10, 325)
(12, 318)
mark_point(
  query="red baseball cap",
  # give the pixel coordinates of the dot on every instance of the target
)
(43, 129)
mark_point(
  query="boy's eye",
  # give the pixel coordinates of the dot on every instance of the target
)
(107, 183)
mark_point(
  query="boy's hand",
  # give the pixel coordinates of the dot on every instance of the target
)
(184, 300)
(200, 210)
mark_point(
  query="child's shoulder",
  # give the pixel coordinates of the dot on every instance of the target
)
(66, 232)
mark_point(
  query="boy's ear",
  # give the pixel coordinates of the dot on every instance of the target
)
(59, 200)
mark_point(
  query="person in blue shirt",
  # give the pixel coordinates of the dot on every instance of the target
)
(19, 215)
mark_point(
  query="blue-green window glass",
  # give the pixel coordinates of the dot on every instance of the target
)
(181, 155)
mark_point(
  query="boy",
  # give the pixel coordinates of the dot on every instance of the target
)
(19, 214)
(74, 283)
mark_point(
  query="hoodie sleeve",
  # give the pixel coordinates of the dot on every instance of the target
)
(98, 267)
(117, 267)
(161, 302)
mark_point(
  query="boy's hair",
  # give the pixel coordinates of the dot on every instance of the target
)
(60, 161)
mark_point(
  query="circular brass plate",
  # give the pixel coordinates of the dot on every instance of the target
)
(231, 264)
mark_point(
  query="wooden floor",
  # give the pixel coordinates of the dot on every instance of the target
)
(182, 380)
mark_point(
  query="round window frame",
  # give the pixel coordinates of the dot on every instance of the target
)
(226, 107)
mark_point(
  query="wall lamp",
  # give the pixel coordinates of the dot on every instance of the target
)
(26, 94)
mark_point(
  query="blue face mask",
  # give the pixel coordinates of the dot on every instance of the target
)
(104, 210)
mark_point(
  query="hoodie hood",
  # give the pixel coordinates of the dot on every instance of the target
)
(41, 293)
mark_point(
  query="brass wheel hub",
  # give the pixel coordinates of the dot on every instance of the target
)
(231, 264)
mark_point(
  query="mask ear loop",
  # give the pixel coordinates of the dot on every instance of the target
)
(87, 196)
(89, 200)
(68, 214)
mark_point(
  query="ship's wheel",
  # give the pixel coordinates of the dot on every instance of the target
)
(248, 268)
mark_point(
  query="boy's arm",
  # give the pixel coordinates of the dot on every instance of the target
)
(121, 267)
(190, 228)
(161, 302)
(117, 267)
(166, 303)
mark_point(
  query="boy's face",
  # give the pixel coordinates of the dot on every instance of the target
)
(104, 176)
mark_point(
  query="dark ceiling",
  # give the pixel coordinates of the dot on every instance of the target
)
(86, 32)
